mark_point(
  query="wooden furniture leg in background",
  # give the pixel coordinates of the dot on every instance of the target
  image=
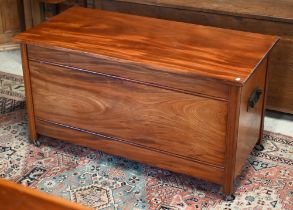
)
(29, 12)
(9, 24)
(21, 17)
(55, 3)
(83, 3)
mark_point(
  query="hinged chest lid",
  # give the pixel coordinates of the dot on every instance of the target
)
(226, 55)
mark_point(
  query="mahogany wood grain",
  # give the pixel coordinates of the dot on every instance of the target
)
(250, 125)
(160, 44)
(17, 197)
(231, 139)
(280, 85)
(158, 159)
(276, 19)
(133, 87)
(28, 93)
(140, 74)
(137, 114)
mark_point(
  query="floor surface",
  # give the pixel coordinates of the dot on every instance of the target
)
(279, 123)
(10, 62)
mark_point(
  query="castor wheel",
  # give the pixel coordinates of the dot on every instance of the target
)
(37, 143)
(259, 147)
(229, 198)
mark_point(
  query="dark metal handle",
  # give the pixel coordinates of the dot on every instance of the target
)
(253, 99)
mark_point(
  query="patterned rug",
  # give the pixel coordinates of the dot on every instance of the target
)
(11, 93)
(103, 181)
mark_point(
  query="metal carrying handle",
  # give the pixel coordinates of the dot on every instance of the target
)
(254, 98)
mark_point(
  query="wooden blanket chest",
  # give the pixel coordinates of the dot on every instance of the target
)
(183, 97)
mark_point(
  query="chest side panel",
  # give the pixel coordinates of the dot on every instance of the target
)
(250, 118)
(170, 122)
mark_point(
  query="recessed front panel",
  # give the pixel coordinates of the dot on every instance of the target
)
(170, 122)
(158, 159)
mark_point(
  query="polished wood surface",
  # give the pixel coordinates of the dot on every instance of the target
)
(275, 19)
(160, 112)
(135, 114)
(250, 123)
(136, 73)
(28, 93)
(144, 155)
(160, 44)
(14, 196)
(231, 139)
